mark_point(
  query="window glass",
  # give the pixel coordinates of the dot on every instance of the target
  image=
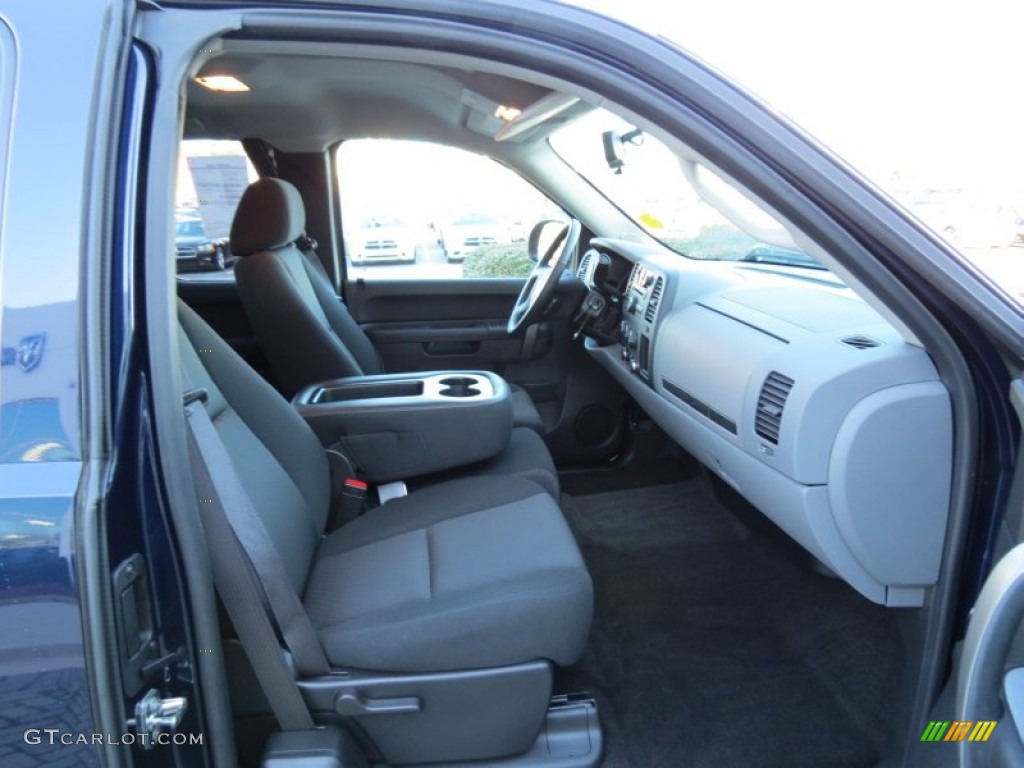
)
(648, 183)
(212, 175)
(415, 210)
(926, 105)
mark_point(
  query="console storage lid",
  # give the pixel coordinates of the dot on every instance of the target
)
(397, 426)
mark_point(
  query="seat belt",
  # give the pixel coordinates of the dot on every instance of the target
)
(307, 247)
(248, 573)
(226, 496)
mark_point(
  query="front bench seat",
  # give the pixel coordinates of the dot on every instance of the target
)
(303, 327)
(473, 573)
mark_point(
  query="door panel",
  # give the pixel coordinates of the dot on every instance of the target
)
(420, 325)
(426, 325)
(456, 299)
(462, 344)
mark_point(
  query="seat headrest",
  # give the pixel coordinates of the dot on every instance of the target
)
(270, 215)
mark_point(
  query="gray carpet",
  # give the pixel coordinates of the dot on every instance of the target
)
(711, 648)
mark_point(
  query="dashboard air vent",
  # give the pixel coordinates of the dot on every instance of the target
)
(861, 342)
(652, 303)
(581, 273)
(770, 404)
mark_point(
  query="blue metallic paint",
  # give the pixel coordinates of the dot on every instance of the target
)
(44, 679)
(43, 682)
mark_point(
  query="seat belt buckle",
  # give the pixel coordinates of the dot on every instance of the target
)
(353, 498)
(388, 491)
(198, 394)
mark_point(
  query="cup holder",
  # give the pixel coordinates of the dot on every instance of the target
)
(459, 386)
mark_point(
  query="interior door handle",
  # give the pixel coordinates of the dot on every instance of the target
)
(444, 348)
(354, 703)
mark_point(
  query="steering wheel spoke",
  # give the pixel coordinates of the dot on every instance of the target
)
(536, 293)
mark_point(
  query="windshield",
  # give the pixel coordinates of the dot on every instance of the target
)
(646, 181)
(925, 104)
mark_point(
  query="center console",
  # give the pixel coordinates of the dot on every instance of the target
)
(640, 305)
(397, 426)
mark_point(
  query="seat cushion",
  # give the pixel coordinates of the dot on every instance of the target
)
(293, 330)
(279, 460)
(524, 412)
(477, 572)
(526, 455)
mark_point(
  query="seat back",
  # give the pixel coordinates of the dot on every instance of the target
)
(277, 457)
(303, 328)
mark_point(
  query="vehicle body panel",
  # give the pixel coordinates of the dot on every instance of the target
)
(472, 231)
(196, 251)
(44, 681)
(380, 241)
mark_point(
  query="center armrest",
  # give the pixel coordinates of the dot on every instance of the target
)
(396, 426)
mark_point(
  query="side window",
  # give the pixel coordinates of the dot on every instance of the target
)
(420, 211)
(212, 175)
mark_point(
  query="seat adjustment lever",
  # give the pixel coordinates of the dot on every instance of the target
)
(352, 702)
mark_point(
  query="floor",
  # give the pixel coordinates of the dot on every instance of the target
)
(711, 646)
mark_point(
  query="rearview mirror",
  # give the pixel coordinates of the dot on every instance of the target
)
(615, 145)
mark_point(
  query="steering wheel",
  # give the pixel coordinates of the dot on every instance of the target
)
(540, 284)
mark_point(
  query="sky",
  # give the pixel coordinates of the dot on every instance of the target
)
(931, 91)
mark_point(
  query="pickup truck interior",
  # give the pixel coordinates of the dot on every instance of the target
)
(675, 493)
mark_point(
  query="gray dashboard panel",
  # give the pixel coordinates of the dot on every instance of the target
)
(889, 481)
(800, 510)
(859, 470)
(690, 353)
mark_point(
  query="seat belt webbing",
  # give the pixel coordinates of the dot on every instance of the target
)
(240, 584)
(238, 588)
(226, 495)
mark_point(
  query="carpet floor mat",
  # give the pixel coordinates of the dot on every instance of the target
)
(710, 647)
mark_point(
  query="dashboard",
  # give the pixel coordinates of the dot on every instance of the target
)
(798, 395)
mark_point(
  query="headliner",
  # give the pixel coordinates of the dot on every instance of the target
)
(306, 98)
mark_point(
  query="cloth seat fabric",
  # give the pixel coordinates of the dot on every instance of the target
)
(469, 573)
(303, 327)
(525, 456)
